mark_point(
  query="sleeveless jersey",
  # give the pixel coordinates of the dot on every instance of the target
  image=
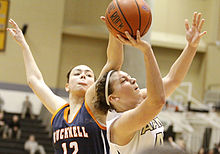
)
(84, 135)
(149, 136)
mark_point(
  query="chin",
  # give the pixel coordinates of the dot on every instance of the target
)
(84, 88)
(80, 91)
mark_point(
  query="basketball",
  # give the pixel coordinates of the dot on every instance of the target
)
(128, 15)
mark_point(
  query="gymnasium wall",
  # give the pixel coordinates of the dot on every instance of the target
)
(166, 57)
(168, 22)
(44, 19)
(13, 101)
(86, 44)
(63, 34)
(81, 50)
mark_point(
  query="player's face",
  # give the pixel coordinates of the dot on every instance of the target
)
(126, 89)
(80, 79)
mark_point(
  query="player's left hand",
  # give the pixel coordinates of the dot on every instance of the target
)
(16, 33)
(193, 33)
(138, 43)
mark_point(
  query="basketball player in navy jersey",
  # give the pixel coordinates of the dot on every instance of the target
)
(78, 126)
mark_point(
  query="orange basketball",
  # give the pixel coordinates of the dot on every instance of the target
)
(128, 15)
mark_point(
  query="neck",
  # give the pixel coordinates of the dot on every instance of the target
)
(131, 105)
(75, 102)
(76, 99)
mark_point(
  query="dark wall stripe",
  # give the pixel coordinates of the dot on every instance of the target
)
(17, 87)
(25, 88)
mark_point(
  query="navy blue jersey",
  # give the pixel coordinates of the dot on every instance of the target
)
(84, 135)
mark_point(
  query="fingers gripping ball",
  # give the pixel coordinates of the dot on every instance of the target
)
(128, 15)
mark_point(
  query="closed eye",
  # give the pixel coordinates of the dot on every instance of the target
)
(89, 75)
(123, 80)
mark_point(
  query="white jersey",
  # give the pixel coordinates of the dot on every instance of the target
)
(149, 136)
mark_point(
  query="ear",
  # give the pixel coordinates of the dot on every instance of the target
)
(67, 87)
(113, 98)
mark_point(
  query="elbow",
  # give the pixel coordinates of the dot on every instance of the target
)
(114, 65)
(118, 67)
(175, 81)
(32, 80)
(160, 100)
(161, 97)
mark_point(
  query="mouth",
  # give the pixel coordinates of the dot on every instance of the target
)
(82, 83)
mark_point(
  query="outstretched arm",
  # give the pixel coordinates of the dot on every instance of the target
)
(114, 54)
(123, 129)
(33, 74)
(115, 59)
(181, 66)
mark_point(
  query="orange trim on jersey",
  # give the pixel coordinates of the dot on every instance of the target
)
(93, 117)
(57, 112)
(65, 114)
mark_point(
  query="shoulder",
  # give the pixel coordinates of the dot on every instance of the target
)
(58, 111)
(91, 102)
(110, 124)
(112, 119)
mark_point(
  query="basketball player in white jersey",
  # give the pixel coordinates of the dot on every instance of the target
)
(137, 127)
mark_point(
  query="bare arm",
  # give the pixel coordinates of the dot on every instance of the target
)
(181, 66)
(33, 74)
(114, 62)
(114, 56)
(123, 129)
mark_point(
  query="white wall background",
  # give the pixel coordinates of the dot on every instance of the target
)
(13, 101)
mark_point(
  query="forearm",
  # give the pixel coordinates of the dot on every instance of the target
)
(114, 53)
(30, 64)
(181, 66)
(154, 82)
(115, 56)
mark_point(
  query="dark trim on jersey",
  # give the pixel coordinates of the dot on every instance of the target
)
(66, 113)
(93, 117)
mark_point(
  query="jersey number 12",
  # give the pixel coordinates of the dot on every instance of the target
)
(71, 146)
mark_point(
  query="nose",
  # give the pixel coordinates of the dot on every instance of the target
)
(132, 80)
(83, 76)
